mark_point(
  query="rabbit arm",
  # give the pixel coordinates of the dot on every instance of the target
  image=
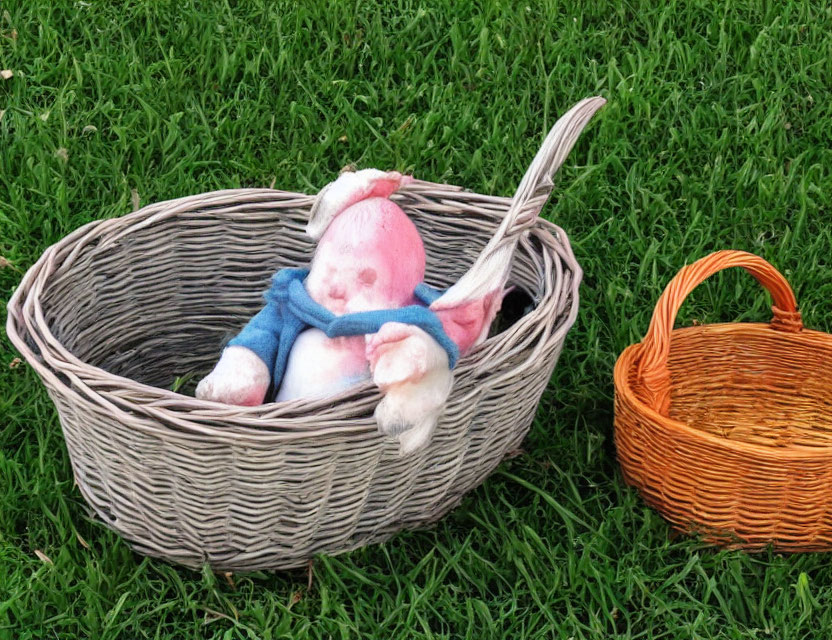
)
(412, 371)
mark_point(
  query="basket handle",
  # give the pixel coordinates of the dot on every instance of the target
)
(538, 181)
(491, 268)
(652, 370)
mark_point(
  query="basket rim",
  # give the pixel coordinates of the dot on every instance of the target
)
(625, 393)
(153, 405)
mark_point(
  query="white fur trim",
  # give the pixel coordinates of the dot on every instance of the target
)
(239, 378)
(349, 188)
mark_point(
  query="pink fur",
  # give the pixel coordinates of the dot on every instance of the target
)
(468, 324)
(370, 257)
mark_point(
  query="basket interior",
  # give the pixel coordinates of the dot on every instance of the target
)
(159, 304)
(752, 384)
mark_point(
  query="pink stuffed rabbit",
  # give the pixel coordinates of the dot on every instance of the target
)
(370, 258)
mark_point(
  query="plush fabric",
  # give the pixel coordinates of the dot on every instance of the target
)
(289, 310)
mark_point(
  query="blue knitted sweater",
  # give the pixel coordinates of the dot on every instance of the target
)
(289, 310)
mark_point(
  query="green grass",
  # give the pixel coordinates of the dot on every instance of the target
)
(716, 135)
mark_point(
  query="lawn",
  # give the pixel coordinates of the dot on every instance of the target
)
(717, 134)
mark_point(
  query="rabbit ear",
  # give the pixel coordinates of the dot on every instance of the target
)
(349, 188)
(467, 323)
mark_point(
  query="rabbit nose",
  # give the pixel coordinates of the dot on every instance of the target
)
(337, 291)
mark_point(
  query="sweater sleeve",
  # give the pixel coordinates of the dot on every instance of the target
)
(262, 333)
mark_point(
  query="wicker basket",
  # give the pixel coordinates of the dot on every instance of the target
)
(726, 429)
(113, 314)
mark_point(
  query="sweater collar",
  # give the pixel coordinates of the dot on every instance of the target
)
(288, 284)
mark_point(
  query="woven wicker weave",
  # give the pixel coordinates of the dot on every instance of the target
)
(111, 315)
(726, 429)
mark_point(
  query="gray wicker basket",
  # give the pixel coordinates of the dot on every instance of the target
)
(113, 313)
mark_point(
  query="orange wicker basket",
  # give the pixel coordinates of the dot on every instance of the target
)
(726, 429)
